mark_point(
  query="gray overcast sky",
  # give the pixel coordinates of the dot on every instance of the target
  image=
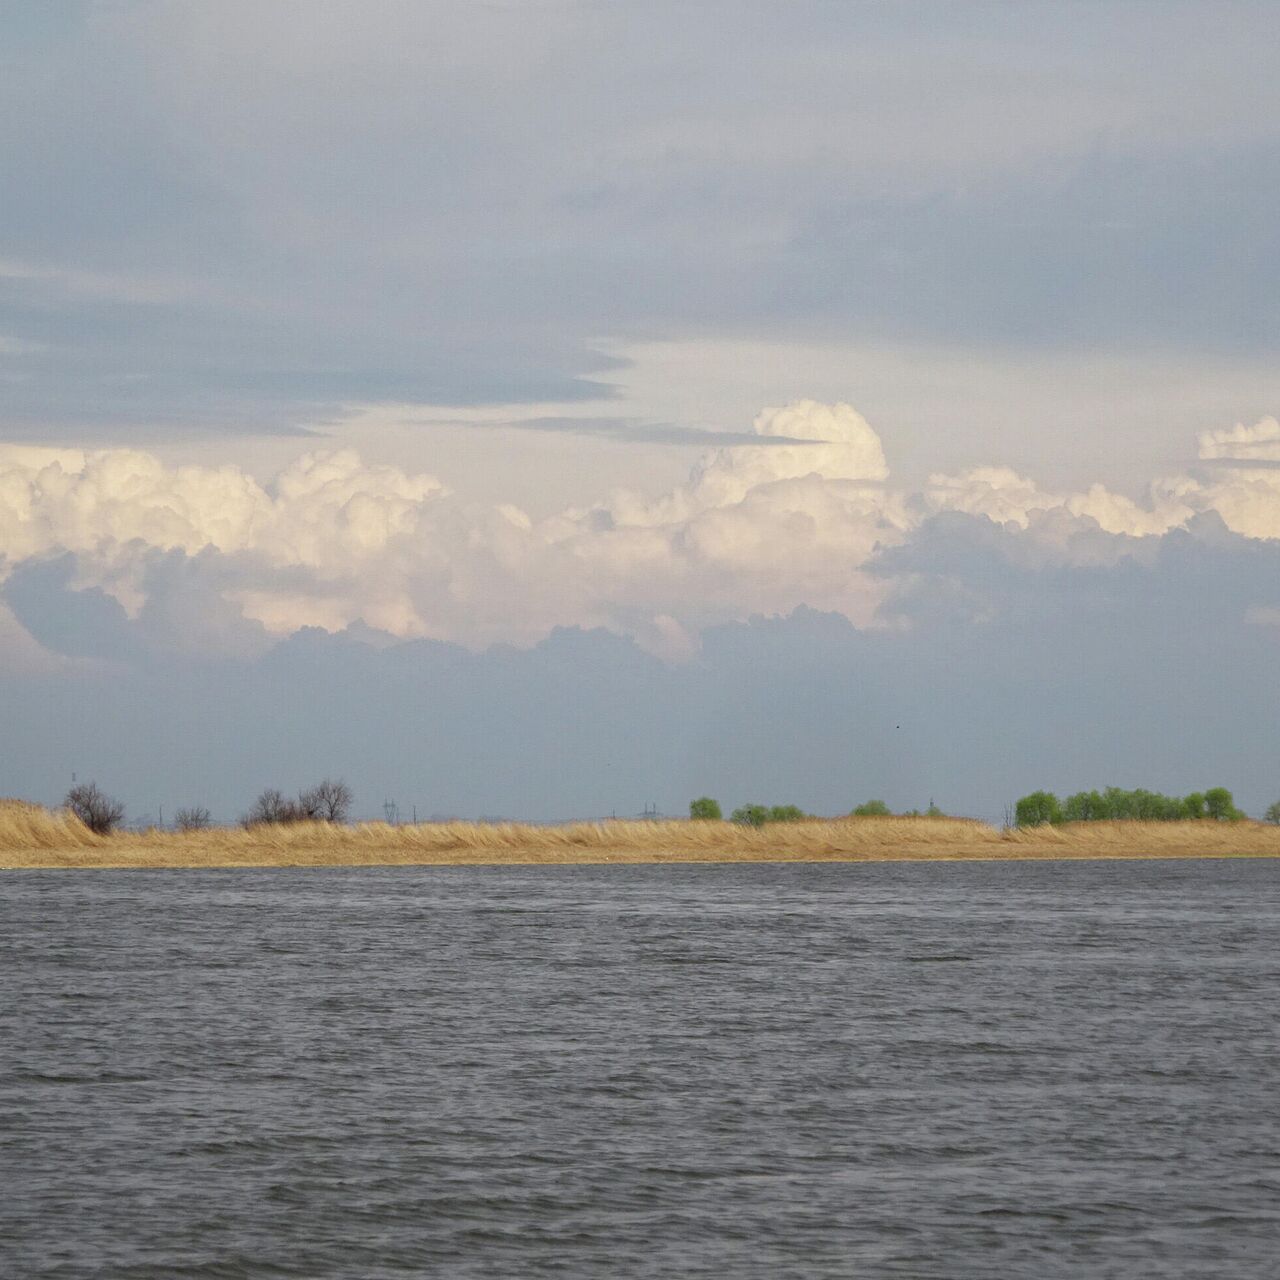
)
(421, 318)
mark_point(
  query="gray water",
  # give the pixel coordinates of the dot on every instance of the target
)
(945, 1070)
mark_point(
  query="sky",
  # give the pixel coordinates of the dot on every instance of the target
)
(549, 408)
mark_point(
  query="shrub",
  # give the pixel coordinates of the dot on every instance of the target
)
(271, 807)
(933, 811)
(99, 812)
(194, 819)
(1037, 809)
(786, 813)
(872, 809)
(705, 809)
(1221, 806)
(1139, 805)
(328, 802)
(1273, 813)
(751, 815)
(1085, 806)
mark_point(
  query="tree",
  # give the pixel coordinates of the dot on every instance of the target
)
(786, 813)
(933, 811)
(1220, 805)
(1273, 813)
(751, 815)
(271, 807)
(1037, 809)
(872, 809)
(330, 801)
(1193, 805)
(705, 809)
(99, 812)
(194, 819)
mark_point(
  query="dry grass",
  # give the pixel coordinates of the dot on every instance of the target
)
(34, 837)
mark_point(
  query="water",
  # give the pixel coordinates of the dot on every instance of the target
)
(945, 1070)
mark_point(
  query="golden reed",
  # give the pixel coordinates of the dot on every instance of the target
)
(31, 836)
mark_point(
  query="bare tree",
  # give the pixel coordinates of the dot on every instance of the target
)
(194, 819)
(309, 806)
(272, 806)
(330, 801)
(99, 812)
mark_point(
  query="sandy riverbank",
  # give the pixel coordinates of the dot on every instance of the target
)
(34, 837)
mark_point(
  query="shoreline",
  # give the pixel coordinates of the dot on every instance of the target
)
(33, 838)
(607, 860)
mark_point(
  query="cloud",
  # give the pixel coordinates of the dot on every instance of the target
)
(209, 559)
(633, 431)
(267, 214)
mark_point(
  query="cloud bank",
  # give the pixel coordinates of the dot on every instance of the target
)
(332, 542)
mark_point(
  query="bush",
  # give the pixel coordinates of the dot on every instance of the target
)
(751, 815)
(1273, 813)
(272, 807)
(1037, 809)
(872, 809)
(933, 811)
(1085, 806)
(705, 809)
(194, 819)
(99, 812)
(1139, 805)
(786, 813)
(1221, 806)
(328, 802)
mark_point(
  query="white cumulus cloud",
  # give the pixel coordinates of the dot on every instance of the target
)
(332, 540)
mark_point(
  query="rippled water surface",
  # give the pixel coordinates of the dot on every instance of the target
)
(944, 1070)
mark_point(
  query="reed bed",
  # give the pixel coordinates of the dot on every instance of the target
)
(31, 836)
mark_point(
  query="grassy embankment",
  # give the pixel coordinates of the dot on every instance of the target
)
(31, 836)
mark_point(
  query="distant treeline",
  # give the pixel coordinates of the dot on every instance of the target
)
(705, 809)
(1041, 807)
(327, 801)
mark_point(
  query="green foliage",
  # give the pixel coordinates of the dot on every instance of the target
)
(786, 813)
(705, 809)
(1138, 805)
(1221, 806)
(1037, 809)
(872, 809)
(933, 811)
(1273, 813)
(756, 815)
(1085, 806)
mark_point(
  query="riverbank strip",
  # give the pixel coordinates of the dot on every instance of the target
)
(33, 837)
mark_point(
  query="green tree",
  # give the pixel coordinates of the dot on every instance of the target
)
(750, 815)
(1220, 805)
(786, 813)
(1038, 808)
(1193, 805)
(1273, 813)
(933, 811)
(1085, 806)
(872, 809)
(705, 809)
